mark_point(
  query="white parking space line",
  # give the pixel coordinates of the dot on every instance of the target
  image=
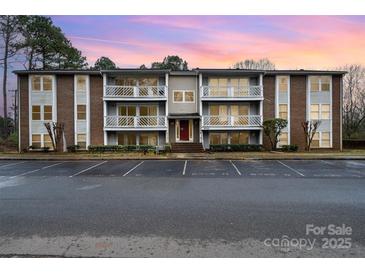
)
(25, 173)
(292, 169)
(13, 164)
(129, 171)
(82, 171)
(184, 170)
(52, 165)
(235, 167)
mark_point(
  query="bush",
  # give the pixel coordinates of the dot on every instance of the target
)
(119, 148)
(73, 148)
(289, 148)
(44, 149)
(167, 148)
(236, 147)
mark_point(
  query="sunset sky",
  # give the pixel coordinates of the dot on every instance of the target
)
(291, 42)
(219, 41)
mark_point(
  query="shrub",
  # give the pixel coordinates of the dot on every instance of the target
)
(73, 148)
(236, 147)
(44, 149)
(119, 148)
(289, 148)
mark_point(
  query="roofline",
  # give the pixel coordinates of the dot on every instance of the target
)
(185, 72)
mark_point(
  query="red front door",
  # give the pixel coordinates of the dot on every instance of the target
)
(184, 130)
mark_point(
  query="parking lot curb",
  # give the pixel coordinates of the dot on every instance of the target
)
(182, 158)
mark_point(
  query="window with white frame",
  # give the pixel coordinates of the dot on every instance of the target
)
(42, 83)
(218, 138)
(81, 140)
(283, 84)
(283, 139)
(283, 111)
(39, 115)
(321, 139)
(148, 139)
(81, 112)
(239, 137)
(320, 112)
(81, 83)
(320, 83)
(184, 96)
(41, 140)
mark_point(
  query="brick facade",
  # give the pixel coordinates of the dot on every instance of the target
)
(269, 104)
(336, 112)
(65, 106)
(298, 103)
(96, 110)
(23, 111)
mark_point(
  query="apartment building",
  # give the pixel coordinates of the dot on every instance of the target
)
(158, 107)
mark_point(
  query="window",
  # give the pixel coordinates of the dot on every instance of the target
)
(47, 83)
(148, 110)
(187, 96)
(315, 140)
(81, 83)
(148, 82)
(131, 138)
(81, 141)
(283, 111)
(218, 87)
(283, 139)
(325, 139)
(47, 142)
(320, 83)
(36, 83)
(325, 111)
(314, 112)
(81, 112)
(283, 84)
(325, 83)
(218, 138)
(36, 112)
(178, 96)
(36, 141)
(240, 137)
(148, 139)
(47, 113)
(314, 83)
(125, 81)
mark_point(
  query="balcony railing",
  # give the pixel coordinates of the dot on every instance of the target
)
(231, 92)
(240, 121)
(135, 91)
(135, 121)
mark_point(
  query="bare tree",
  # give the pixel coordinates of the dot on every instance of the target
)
(55, 131)
(9, 35)
(310, 129)
(264, 63)
(272, 129)
(353, 99)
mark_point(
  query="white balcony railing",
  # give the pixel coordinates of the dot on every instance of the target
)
(135, 91)
(241, 121)
(231, 91)
(135, 121)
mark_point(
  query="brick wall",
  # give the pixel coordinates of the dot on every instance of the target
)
(269, 104)
(65, 106)
(297, 110)
(96, 110)
(336, 112)
(24, 111)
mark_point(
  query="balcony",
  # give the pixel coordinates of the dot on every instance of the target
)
(231, 92)
(135, 122)
(232, 122)
(135, 92)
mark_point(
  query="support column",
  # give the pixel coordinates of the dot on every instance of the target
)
(200, 108)
(167, 107)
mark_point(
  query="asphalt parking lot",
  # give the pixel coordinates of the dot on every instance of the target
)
(185, 168)
(167, 208)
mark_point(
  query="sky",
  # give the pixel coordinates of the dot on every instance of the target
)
(290, 42)
(219, 41)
